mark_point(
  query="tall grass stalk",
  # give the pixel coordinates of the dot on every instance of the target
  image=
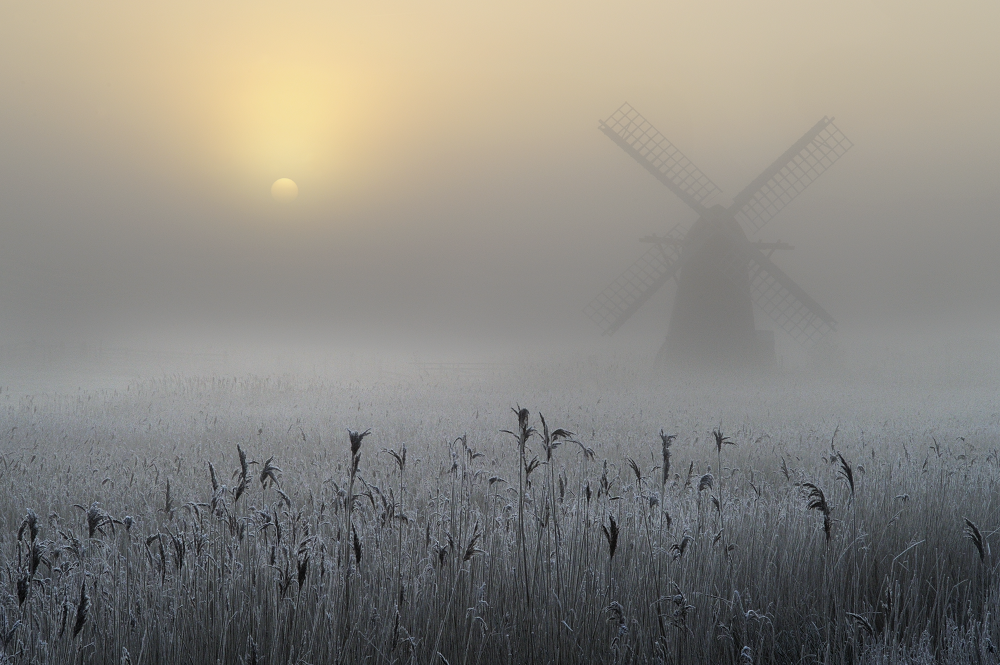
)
(341, 563)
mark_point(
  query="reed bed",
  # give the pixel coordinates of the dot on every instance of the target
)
(138, 528)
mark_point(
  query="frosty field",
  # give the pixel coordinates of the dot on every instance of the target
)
(847, 519)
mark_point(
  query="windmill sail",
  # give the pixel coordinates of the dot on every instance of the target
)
(649, 147)
(791, 173)
(626, 294)
(786, 303)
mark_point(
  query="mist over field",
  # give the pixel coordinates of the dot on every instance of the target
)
(300, 360)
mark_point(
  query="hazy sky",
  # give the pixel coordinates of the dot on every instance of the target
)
(450, 169)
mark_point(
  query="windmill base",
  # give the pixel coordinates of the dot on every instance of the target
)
(757, 355)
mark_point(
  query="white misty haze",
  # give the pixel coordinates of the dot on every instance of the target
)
(452, 180)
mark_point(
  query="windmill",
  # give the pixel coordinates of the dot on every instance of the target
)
(721, 274)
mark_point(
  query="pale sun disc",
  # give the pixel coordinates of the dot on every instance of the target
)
(284, 189)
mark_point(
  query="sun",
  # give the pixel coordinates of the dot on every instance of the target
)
(284, 190)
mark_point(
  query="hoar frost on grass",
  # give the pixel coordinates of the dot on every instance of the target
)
(222, 520)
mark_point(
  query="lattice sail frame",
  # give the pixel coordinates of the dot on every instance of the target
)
(630, 290)
(787, 304)
(649, 147)
(795, 170)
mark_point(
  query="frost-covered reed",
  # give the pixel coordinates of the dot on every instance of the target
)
(134, 539)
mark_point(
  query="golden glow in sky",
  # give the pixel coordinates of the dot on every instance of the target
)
(457, 142)
(284, 190)
(376, 102)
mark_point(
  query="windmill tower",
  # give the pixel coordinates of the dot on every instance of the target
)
(721, 274)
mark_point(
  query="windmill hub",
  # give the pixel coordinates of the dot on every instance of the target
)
(720, 273)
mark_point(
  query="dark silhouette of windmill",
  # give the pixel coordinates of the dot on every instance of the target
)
(720, 273)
